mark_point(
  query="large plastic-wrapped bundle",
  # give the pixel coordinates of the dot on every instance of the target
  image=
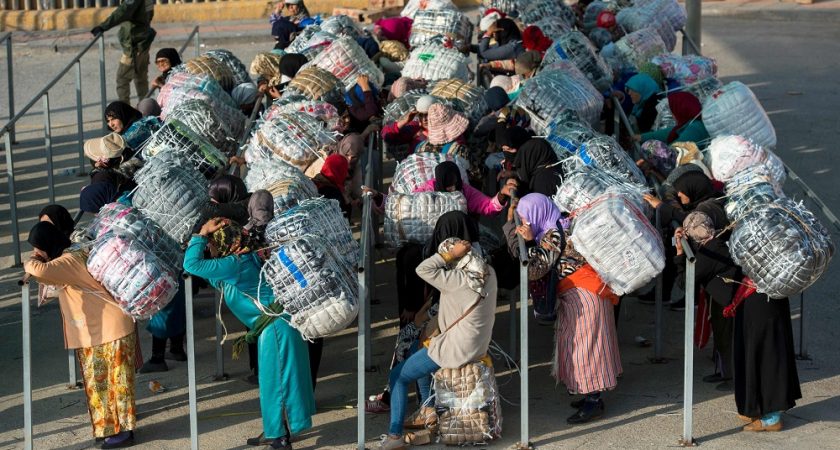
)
(129, 222)
(668, 11)
(266, 65)
(237, 68)
(535, 10)
(704, 88)
(686, 69)
(450, 23)
(505, 6)
(141, 283)
(207, 65)
(604, 153)
(412, 7)
(401, 106)
(418, 168)
(782, 247)
(412, 217)
(230, 115)
(562, 87)
(747, 198)
(590, 14)
(770, 169)
(288, 193)
(639, 47)
(469, 98)
(575, 47)
(580, 188)
(315, 290)
(316, 83)
(320, 217)
(341, 25)
(321, 110)
(170, 194)
(262, 173)
(729, 155)
(664, 117)
(296, 137)
(566, 133)
(552, 28)
(203, 121)
(619, 242)
(345, 59)
(432, 61)
(636, 18)
(734, 110)
(196, 82)
(177, 139)
(468, 404)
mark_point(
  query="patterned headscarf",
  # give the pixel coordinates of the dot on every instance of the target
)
(699, 227)
(230, 239)
(472, 264)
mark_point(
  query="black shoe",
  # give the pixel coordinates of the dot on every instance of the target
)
(281, 443)
(259, 440)
(128, 442)
(714, 378)
(587, 414)
(151, 366)
(678, 305)
(577, 404)
(726, 386)
(182, 356)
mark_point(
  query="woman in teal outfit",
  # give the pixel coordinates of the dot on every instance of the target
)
(285, 384)
(686, 109)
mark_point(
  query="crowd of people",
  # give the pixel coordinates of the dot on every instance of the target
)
(490, 150)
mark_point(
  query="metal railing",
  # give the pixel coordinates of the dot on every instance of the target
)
(687, 439)
(524, 388)
(10, 77)
(46, 5)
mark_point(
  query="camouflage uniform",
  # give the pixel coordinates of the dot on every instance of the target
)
(136, 36)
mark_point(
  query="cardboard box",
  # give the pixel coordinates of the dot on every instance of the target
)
(368, 15)
(375, 4)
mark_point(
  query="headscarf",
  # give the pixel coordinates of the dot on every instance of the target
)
(149, 107)
(244, 94)
(496, 98)
(47, 237)
(472, 264)
(227, 189)
(534, 39)
(645, 86)
(351, 145)
(171, 54)
(303, 11)
(291, 63)
(540, 212)
(124, 112)
(696, 186)
(448, 174)
(60, 217)
(96, 195)
(394, 28)
(527, 62)
(685, 107)
(454, 224)
(513, 137)
(230, 238)
(507, 31)
(336, 168)
(534, 154)
(699, 227)
(403, 85)
(260, 209)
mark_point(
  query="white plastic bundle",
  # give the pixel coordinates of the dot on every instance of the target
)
(469, 98)
(401, 106)
(412, 7)
(141, 283)
(170, 194)
(412, 217)
(636, 18)
(202, 120)
(580, 188)
(734, 110)
(447, 22)
(666, 10)
(619, 242)
(288, 193)
(264, 172)
(418, 168)
(179, 140)
(230, 115)
(575, 47)
(704, 88)
(240, 72)
(295, 137)
(552, 28)
(562, 87)
(470, 401)
(639, 47)
(770, 169)
(686, 69)
(130, 223)
(323, 111)
(782, 247)
(664, 117)
(207, 65)
(345, 59)
(747, 198)
(341, 25)
(195, 82)
(567, 133)
(729, 155)
(604, 153)
(590, 14)
(309, 281)
(535, 10)
(432, 61)
(505, 6)
(311, 36)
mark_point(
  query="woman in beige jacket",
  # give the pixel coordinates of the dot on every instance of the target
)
(101, 333)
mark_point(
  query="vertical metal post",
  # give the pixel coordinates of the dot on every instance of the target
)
(803, 349)
(693, 9)
(657, 340)
(197, 42)
(523, 337)
(220, 349)
(73, 380)
(514, 339)
(102, 84)
(27, 365)
(193, 397)
(10, 76)
(362, 338)
(10, 177)
(688, 369)
(48, 147)
(80, 127)
(367, 249)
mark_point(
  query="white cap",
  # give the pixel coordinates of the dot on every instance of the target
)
(423, 103)
(292, 2)
(488, 21)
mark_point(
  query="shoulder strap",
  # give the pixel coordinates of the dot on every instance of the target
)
(466, 313)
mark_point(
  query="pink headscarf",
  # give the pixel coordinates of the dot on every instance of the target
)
(394, 29)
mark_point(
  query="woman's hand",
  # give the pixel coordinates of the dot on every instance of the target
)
(637, 137)
(158, 82)
(213, 225)
(460, 249)
(364, 82)
(237, 161)
(652, 200)
(679, 234)
(278, 8)
(510, 187)
(525, 231)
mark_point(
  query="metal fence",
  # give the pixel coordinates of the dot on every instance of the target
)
(45, 5)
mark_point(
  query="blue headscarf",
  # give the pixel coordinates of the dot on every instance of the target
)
(645, 86)
(356, 96)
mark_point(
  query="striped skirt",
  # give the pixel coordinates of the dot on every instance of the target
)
(108, 371)
(586, 355)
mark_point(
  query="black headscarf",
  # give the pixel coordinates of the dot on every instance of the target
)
(47, 237)
(534, 154)
(60, 217)
(228, 189)
(171, 54)
(697, 186)
(96, 195)
(448, 174)
(124, 112)
(291, 63)
(453, 224)
(513, 137)
(508, 31)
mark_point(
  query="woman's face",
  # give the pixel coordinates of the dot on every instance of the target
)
(508, 149)
(45, 218)
(452, 188)
(635, 97)
(684, 199)
(40, 253)
(423, 118)
(293, 9)
(163, 64)
(116, 125)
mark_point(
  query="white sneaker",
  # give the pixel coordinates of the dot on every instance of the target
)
(389, 442)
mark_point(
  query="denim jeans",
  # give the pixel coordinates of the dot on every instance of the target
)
(418, 367)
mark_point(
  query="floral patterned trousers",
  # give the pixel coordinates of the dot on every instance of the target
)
(108, 371)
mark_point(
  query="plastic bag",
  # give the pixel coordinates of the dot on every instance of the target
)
(447, 22)
(418, 168)
(207, 65)
(178, 140)
(581, 188)
(316, 84)
(295, 137)
(412, 217)
(469, 98)
(575, 47)
(734, 110)
(432, 61)
(203, 121)
(562, 87)
(468, 404)
(412, 7)
(730, 155)
(686, 69)
(288, 193)
(556, 11)
(639, 47)
(341, 25)
(237, 68)
(345, 59)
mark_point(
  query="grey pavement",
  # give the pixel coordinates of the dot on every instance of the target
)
(790, 65)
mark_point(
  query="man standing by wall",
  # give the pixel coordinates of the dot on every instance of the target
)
(136, 36)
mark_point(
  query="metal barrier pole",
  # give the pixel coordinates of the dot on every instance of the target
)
(368, 258)
(616, 120)
(657, 340)
(690, 42)
(220, 349)
(10, 177)
(637, 151)
(27, 364)
(197, 42)
(803, 350)
(80, 118)
(814, 197)
(193, 397)
(364, 318)
(102, 84)
(687, 439)
(693, 9)
(48, 147)
(10, 77)
(523, 336)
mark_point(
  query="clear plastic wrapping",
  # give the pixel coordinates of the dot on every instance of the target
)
(446, 22)
(734, 110)
(505, 6)
(315, 290)
(469, 98)
(575, 47)
(619, 242)
(590, 14)
(401, 106)
(341, 25)
(533, 11)
(412, 217)
(179, 140)
(412, 7)
(289, 192)
(668, 11)
(219, 104)
(345, 59)
(207, 65)
(468, 404)
(311, 36)
(603, 152)
(552, 28)
(782, 247)
(237, 68)
(580, 189)
(321, 110)
(727, 156)
(664, 117)
(747, 198)
(639, 47)
(317, 84)
(266, 65)
(194, 82)
(686, 69)
(264, 172)
(432, 61)
(295, 137)
(418, 168)
(562, 87)
(140, 282)
(636, 18)
(202, 120)
(704, 88)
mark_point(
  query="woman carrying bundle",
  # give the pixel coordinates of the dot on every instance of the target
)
(131, 125)
(689, 128)
(467, 312)
(448, 179)
(165, 60)
(284, 379)
(537, 167)
(101, 333)
(643, 92)
(508, 45)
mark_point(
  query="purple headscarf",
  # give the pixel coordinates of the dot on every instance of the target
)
(540, 212)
